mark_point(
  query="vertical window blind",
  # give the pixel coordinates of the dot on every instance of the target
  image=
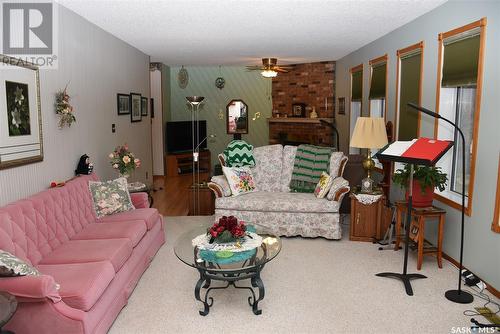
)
(409, 92)
(357, 86)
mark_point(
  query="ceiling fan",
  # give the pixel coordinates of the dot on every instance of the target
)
(269, 68)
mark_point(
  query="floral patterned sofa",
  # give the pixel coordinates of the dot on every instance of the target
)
(283, 212)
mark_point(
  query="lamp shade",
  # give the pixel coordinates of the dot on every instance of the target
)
(369, 132)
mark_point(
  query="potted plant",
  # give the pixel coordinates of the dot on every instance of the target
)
(425, 180)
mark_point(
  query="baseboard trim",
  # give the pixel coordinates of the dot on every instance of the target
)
(489, 287)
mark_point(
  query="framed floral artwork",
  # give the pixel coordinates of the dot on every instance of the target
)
(20, 113)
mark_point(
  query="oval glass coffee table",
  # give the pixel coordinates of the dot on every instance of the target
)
(223, 268)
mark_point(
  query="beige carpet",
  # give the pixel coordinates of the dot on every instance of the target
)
(313, 286)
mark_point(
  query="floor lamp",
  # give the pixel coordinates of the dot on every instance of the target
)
(194, 102)
(457, 296)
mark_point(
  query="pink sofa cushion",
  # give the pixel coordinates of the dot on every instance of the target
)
(82, 284)
(149, 215)
(116, 251)
(133, 230)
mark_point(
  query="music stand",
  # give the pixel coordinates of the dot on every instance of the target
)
(424, 152)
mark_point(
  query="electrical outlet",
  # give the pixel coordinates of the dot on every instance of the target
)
(113, 128)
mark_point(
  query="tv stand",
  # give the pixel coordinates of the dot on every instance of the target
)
(182, 163)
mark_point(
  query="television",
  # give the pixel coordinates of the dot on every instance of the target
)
(178, 136)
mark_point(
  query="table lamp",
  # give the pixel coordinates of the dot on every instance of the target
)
(369, 133)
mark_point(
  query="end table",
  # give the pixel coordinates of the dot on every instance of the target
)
(366, 216)
(417, 230)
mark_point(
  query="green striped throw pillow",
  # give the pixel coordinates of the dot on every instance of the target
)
(239, 153)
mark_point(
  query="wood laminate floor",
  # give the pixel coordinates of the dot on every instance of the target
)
(171, 195)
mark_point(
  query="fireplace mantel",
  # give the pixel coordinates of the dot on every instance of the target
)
(298, 120)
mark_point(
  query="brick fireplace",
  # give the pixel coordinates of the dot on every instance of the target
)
(313, 85)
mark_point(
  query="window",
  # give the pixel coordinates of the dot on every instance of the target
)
(409, 88)
(458, 99)
(356, 99)
(378, 87)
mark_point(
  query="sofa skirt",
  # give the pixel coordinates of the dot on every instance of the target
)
(290, 224)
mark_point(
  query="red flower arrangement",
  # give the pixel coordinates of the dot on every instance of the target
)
(227, 229)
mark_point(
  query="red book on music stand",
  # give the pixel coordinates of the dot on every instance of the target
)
(422, 151)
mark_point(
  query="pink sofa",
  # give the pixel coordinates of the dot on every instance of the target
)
(97, 263)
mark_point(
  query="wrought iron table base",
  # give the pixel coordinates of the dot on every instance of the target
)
(205, 281)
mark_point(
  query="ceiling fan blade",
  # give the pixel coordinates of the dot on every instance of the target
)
(254, 68)
(280, 70)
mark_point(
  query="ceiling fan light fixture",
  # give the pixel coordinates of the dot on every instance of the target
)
(269, 73)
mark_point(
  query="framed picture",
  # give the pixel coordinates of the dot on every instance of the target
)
(144, 106)
(299, 110)
(123, 104)
(20, 113)
(135, 107)
(341, 105)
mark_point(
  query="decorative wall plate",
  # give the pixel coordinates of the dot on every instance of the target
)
(220, 82)
(183, 78)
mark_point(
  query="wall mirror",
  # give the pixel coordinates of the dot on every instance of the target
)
(237, 117)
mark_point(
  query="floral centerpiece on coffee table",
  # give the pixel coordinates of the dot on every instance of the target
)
(124, 161)
(227, 241)
(226, 230)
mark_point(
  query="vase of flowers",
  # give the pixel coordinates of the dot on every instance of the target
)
(124, 161)
(227, 230)
(64, 108)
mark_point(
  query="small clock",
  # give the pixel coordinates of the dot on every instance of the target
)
(220, 82)
(367, 185)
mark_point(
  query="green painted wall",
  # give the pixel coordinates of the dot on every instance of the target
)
(251, 87)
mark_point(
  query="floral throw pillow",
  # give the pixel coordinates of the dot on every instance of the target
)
(240, 180)
(323, 186)
(110, 197)
(11, 266)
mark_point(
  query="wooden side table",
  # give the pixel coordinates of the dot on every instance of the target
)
(417, 229)
(366, 218)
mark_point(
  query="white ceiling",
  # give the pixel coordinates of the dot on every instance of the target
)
(240, 32)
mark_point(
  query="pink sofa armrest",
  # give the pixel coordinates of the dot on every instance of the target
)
(140, 200)
(31, 288)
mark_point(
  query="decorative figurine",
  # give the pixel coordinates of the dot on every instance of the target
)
(84, 167)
